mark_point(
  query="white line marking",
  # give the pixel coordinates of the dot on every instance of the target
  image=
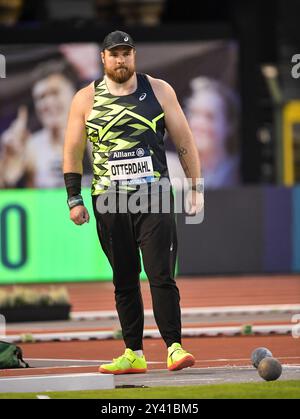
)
(196, 311)
(243, 359)
(81, 360)
(63, 367)
(153, 333)
(59, 382)
(148, 362)
(151, 363)
(187, 380)
(65, 359)
(289, 366)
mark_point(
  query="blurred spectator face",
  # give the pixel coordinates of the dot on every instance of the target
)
(208, 121)
(52, 97)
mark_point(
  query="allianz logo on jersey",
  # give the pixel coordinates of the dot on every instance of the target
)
(121, 154)
(143, 96)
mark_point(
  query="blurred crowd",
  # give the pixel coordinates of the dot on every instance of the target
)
(140, 12)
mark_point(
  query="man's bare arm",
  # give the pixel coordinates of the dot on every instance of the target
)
(75, 137)
(75, 142)
(178, 128)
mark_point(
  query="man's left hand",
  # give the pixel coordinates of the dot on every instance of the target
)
(195, 202)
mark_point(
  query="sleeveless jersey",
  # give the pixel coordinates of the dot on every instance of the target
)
(127, 137)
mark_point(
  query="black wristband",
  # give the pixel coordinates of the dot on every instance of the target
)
(73, 183)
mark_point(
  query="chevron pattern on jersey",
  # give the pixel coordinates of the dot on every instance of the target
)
(113, 125)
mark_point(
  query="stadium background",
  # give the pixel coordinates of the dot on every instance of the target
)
(232, 43)
(241, 265)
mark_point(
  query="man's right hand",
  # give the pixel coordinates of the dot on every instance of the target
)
(79, 215)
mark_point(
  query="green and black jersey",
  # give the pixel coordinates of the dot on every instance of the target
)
(127, 135)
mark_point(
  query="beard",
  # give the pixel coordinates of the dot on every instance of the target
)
(121, 74)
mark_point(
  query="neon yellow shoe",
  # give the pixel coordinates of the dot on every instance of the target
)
(128, 363)
(178, 358)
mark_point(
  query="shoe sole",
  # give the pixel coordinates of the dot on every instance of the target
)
(187, 361)
(118, 372)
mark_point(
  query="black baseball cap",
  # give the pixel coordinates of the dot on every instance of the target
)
(117, 38)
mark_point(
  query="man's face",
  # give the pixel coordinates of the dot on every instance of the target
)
(119, 63)
(52, 98)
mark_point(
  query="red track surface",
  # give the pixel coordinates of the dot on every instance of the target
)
(209, 352)
(201, 292)
(197, 292)
(116, 327)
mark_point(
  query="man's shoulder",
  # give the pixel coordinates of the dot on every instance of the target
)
(162, 89)
(159, 83)
(86, 92)
(84, 98)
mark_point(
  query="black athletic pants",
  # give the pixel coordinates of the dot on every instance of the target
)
(121, 235)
